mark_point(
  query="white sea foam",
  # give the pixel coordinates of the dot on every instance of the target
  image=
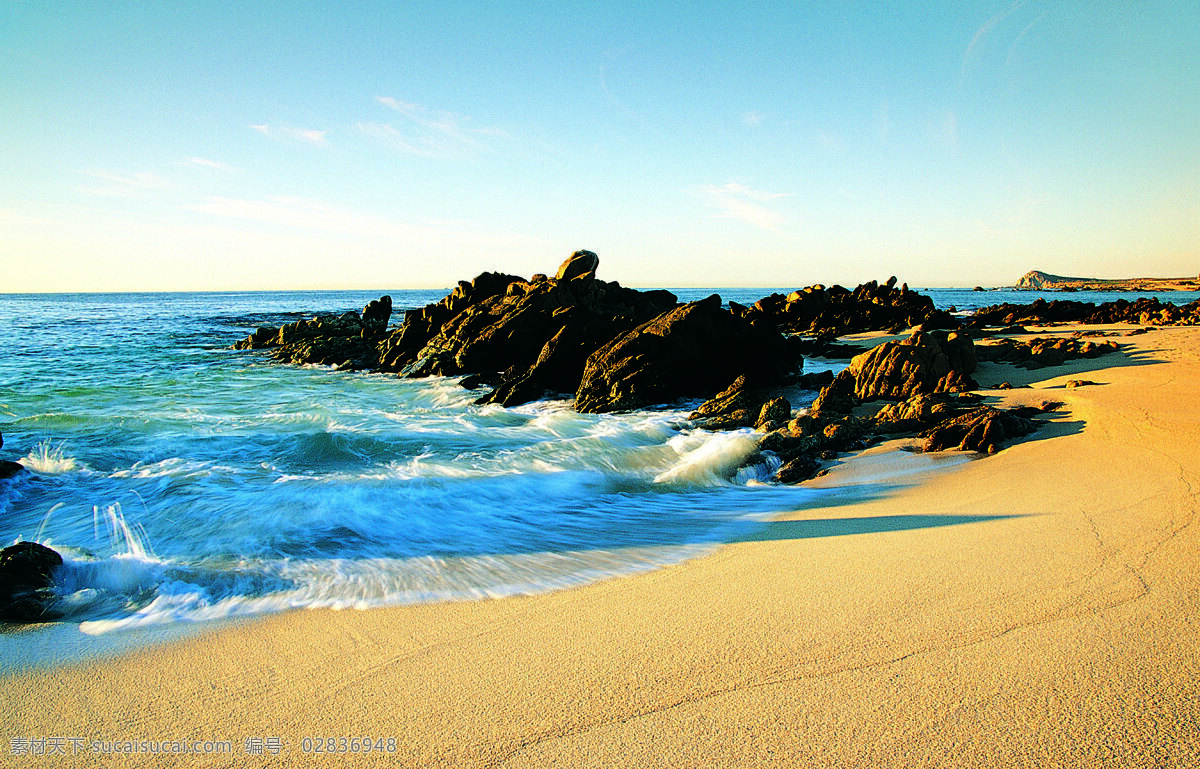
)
(707, 458)
(49, 459)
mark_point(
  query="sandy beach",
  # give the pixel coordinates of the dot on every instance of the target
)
(1039, 607)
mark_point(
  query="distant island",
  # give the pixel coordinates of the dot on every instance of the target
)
(1044, 281)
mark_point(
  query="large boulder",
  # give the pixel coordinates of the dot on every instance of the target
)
(26, 580)
(579, 264)
(692, 351)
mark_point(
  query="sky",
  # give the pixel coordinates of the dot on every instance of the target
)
(299, 145)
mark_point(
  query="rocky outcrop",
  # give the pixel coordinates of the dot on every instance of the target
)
(1143, 311)
(538, 334)
(805, 441)
(925, 362)
(983, 429)
(1040, 352)
(741, 405)
(691, 351)
(836, 311)
(26, 582)
(918, 412)
(403, 347)
(347, 341)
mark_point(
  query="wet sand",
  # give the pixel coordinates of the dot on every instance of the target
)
(1039, 607)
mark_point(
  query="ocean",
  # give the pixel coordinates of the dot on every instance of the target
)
(185, 482)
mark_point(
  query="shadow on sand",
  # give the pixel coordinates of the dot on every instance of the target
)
(775, 531)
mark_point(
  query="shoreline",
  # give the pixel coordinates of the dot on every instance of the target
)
(1020, 610)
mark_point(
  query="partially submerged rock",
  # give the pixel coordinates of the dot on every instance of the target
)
(26, 581)
(9, 469)
(349, 340)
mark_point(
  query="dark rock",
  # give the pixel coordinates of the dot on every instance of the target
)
(475, 381)
(405, 346)
(9, 469)
(829, 313)
(813, 381)
(982, 429)
(691, 351)
(1143, 311)
(26, 580)
(376, 314)
(579, 264)
(798, 469)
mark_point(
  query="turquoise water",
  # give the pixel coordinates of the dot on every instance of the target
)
(184, 481)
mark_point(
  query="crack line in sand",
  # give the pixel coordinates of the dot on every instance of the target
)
(745, 687)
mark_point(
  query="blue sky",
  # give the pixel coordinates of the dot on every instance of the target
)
(274, 145)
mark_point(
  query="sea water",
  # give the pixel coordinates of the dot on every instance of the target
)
(184, 481)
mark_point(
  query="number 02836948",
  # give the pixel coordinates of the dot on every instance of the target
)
(348, 745)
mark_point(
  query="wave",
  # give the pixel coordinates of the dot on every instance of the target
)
(48, 459)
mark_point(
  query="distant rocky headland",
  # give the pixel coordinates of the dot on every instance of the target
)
(1044, 281)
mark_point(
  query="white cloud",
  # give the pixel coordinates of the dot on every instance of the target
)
(432, 133)
(115, 184)
(743, 204)
(753, 118)
(308, 135)
(216, 165)
(310, 215)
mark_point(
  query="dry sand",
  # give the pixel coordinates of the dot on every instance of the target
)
(1040, 607)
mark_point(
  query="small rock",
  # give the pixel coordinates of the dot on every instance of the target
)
(801, 468)
(26, 575)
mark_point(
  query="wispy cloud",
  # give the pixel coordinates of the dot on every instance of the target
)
(122, 185)
(216, 165)
(942, 131)
(743, 204)
(883, 123)
(981, 41)
(308, 215)
(753, 118)
(432, 133)
(306, 135)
